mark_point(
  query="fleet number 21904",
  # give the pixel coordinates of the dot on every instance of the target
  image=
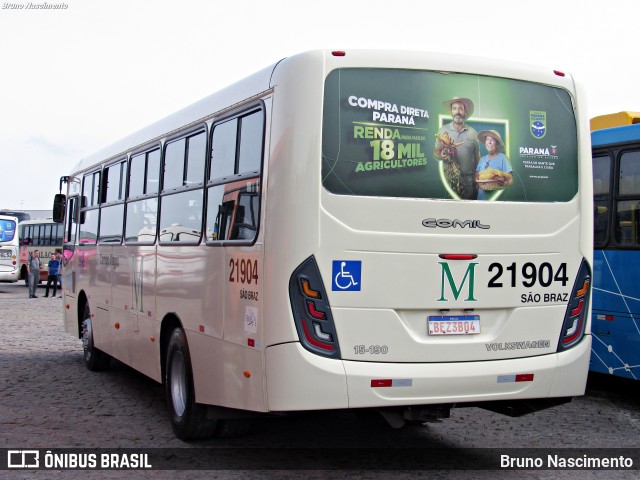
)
(528, 275)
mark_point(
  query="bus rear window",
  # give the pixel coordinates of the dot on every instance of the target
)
(7, 230)
(420, 134)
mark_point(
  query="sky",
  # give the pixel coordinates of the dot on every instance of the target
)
(74, 80)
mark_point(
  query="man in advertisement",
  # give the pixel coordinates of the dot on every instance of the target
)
(457, 146)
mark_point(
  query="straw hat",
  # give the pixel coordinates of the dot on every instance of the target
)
(482, 137)
(468, 105)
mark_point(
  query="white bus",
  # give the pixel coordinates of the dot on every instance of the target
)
(44, 235)
(9, 249)
(310, 239)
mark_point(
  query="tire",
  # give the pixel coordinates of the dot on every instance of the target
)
(188, 418)
(94, 359)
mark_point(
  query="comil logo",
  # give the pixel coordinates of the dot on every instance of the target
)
(447, 223)
(23, 459)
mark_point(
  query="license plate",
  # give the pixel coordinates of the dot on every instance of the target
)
(453, 324)
(5, 253)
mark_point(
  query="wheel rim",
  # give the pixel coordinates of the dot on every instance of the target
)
(178, 384)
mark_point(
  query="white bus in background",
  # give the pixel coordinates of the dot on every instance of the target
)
(9, 249)
(44, 235)
(20, 215)
(291, 243)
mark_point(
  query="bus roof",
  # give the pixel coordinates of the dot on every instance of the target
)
(614, 120)
(200, 110)
(610, 136)
(19, 215)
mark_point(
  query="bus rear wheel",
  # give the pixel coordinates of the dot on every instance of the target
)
(94, 358)
(188, 418)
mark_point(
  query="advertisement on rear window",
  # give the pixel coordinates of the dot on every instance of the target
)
(418, 134)
(7, 230)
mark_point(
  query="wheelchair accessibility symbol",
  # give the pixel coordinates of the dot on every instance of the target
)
(346, 275)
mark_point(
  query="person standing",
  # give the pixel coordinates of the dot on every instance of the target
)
(33, 273)
(54, 267)
(461, 156)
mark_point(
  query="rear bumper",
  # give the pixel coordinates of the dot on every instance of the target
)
(10, 275)
(300, 380)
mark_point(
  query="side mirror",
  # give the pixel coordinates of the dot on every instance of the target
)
(59, 203)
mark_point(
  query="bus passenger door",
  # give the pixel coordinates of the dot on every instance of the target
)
(68, 248)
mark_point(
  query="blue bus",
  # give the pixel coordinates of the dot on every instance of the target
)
(616, 257)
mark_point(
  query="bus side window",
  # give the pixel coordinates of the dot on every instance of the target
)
(91, 189)
(142, 219)
(141, 183)
(152, 183)
(223, 150)
(69, 235)
(245, 219)
(174, 155)
(196, 157)
(627, 206)
(181, 217)
(111, 220)
(113, 182)
(233, 206)
(184, 162)
(222, 219)
(233, 211)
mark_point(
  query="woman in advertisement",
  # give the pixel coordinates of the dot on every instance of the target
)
(494, 169)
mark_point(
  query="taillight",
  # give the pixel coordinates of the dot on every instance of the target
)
(575, 318)
(311, 311)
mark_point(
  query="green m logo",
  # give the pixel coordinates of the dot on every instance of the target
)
(469, 275)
